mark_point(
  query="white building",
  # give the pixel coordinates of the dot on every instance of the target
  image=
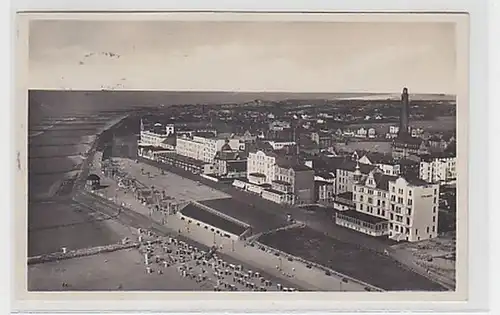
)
(372, 133)
(409, 206)
(278, 145)
(361, 133)
(438, 169)
(279, 125)
(393, 132)
(384, 162)
(204, 147)
(157, 136)
(261, 165)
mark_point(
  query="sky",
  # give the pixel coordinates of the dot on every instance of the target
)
(323, 57)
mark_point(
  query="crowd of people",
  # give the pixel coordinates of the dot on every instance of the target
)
(204, 267)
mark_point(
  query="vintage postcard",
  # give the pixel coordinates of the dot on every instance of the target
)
(280, 156)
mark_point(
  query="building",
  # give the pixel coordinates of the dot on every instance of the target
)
(278, 145)
(361, 133)
(404, 145)
(361, 222)
(260, 166)
(384, 162)
(279, 125)
(93, 182)
(410, 206)
(204, 146)
(324, 184)
(156, 136)
(278, 176)
(322, 139)
(345, 175)
(343, 202)
(404, 126)
(230, 163)
(198, 215)
(407, 147)
(296, 179)
(438, 168)
(393, 132)
(372, 133)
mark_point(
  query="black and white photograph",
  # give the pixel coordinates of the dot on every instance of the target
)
(233, 155)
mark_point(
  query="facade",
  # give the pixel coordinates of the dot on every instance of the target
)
(198, 215)
(325, 188)
(204, 147)
(345, 175)
(279, 125)
(297, 180)
(438, 169)
(322, 139)
(372, 133)
(404, 127)
(278, 145)
(184, 162)
(93, 181)
(361, 222)
(361, 133)
(407, 147)
(393, 132)
(409, 206)
(343, 202)
(261, 163)
(385, 163)
(230, 164)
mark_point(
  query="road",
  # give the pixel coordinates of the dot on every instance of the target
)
(319, 221)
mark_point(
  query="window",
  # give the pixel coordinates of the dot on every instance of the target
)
(407, 221)
(393, 189)
(360, 207)
(410, 202)
(383, 213)
(353, 196)
(427, 230)
(361, 198)
(409, 211)
(434, 210)
(393, 207)
(409, 192)
(416, 233)
(433, 229)
(434, 219)
(392, 216)
(378, 202)
(370, 200)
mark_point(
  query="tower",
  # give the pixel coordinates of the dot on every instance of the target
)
(404, 128)
(357, 173)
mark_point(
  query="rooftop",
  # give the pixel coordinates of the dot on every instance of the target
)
(361, 216)
(253, 215)
(382, 180)
(182, 158)
(345, 195)
(195, 212)
(257, 175)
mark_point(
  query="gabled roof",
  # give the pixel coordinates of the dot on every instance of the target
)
(382, 180)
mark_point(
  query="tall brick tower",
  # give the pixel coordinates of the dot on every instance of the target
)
(404, 127)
